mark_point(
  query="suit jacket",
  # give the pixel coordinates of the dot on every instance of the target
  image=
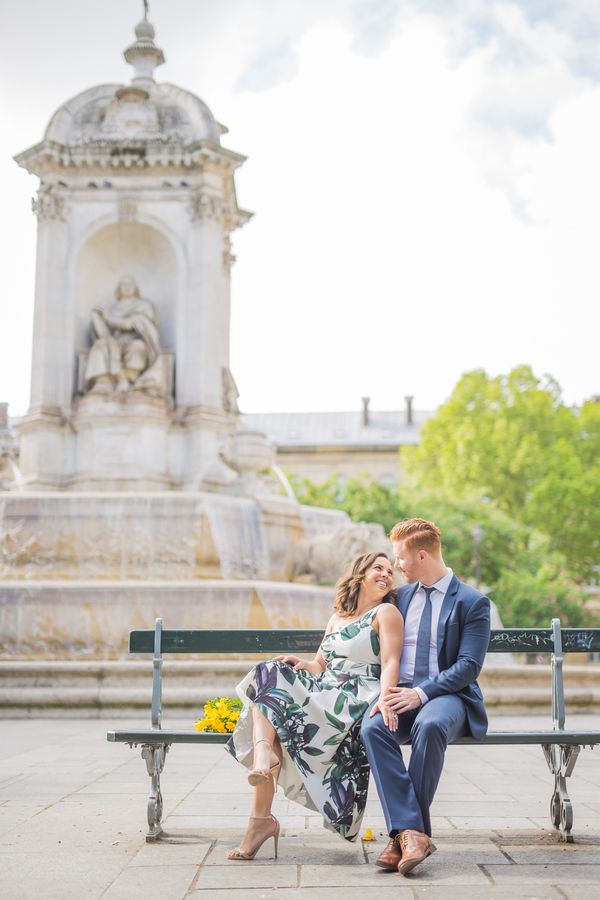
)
(463, 637)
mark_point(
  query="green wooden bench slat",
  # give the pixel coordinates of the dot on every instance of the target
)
(497, 737)
(286, 640)
(291, 640)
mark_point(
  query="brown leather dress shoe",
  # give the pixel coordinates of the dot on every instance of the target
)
(391, 856)
(414, 847)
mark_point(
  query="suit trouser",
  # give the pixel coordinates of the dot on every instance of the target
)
(406, 795)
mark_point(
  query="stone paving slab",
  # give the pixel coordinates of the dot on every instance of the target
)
(243, 875)
(576, 873)
(493, 892)
(144, 882)
(192, 853)
(72, 827)
(312, 893)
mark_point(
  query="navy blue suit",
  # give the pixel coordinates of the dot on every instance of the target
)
(454, 709)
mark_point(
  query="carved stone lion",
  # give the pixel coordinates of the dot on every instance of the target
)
(323, 559)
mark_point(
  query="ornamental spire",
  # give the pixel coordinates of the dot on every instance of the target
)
(143, 54)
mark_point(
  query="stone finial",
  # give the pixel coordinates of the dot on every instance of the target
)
(143, 54)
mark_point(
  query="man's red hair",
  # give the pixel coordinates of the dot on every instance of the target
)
(417, 534)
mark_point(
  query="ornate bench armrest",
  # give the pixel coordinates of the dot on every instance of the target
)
(157, 676)
(558, 690)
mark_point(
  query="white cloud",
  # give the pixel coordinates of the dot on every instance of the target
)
(424, 183)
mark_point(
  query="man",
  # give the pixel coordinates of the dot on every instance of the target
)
(125, 352)
(446, 636)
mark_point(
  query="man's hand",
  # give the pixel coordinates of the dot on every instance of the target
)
(402, 699)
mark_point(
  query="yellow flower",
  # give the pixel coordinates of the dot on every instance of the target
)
(220, 715)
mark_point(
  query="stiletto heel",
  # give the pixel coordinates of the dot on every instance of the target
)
(261, 776)
(275, 770)
(238, 853)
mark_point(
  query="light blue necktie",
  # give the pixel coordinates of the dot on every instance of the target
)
(423, 641)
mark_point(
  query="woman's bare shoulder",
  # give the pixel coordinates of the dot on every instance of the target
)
(331, 624)
(389, 615)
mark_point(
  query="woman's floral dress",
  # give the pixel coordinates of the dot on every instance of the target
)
(317, 719)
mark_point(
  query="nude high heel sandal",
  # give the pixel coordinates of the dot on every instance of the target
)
(238, 853)
(261, 776)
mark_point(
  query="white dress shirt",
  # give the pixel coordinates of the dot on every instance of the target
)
(411, 631)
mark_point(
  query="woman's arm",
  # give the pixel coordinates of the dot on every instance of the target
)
(315, 665)
(391, 634)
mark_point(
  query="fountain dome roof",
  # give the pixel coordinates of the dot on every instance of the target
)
(116, 112)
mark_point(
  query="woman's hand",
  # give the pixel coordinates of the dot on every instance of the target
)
(389, 715)
(311, 665)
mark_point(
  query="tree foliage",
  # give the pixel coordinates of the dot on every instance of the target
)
(512, 439)
(517, 565)
(506, 456)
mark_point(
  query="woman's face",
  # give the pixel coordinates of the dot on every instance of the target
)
(378, 579)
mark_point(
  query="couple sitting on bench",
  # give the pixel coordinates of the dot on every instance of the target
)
(394, 667)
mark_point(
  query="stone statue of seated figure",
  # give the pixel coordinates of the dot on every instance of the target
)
(125, 353)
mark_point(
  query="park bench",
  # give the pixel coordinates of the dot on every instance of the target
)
(560, 746)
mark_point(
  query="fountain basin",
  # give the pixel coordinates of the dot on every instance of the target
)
(92, 620)
(154, 536)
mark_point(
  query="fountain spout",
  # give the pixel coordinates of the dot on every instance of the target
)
(284, 481)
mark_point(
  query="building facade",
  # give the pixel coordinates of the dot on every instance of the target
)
(319, 445)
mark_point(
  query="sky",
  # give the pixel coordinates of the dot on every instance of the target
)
(424, 175)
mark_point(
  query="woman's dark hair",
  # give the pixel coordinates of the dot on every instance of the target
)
(348, 587)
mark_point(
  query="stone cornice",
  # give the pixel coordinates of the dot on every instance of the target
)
(49, 156)
(212, 418)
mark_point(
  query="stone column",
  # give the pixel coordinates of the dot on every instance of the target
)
(202, 335)
(52, 363)
(45, 455)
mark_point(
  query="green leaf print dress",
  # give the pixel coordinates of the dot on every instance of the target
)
(317, 719)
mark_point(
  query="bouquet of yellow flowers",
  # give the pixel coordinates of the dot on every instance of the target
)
(220, 715)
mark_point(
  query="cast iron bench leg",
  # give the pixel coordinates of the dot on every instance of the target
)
(561, 759)
(154, 754)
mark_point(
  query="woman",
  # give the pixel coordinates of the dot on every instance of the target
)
(301, 719)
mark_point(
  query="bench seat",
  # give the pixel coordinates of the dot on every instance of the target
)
(583, 738)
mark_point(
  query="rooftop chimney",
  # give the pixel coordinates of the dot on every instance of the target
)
(365, 412)
(409, 410)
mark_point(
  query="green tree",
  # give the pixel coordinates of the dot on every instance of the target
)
(362, 498)
(511, 438)
(518, 565)
(528, 597)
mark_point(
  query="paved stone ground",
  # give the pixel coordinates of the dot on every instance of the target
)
(72, 826)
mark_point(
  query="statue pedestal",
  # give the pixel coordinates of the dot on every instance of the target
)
(122, 443)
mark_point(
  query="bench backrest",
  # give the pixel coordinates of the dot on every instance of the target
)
(552, 640)
(297, 640)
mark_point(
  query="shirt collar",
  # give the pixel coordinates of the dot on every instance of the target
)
(443, 584)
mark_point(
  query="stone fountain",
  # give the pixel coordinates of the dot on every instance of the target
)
(138, 495)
